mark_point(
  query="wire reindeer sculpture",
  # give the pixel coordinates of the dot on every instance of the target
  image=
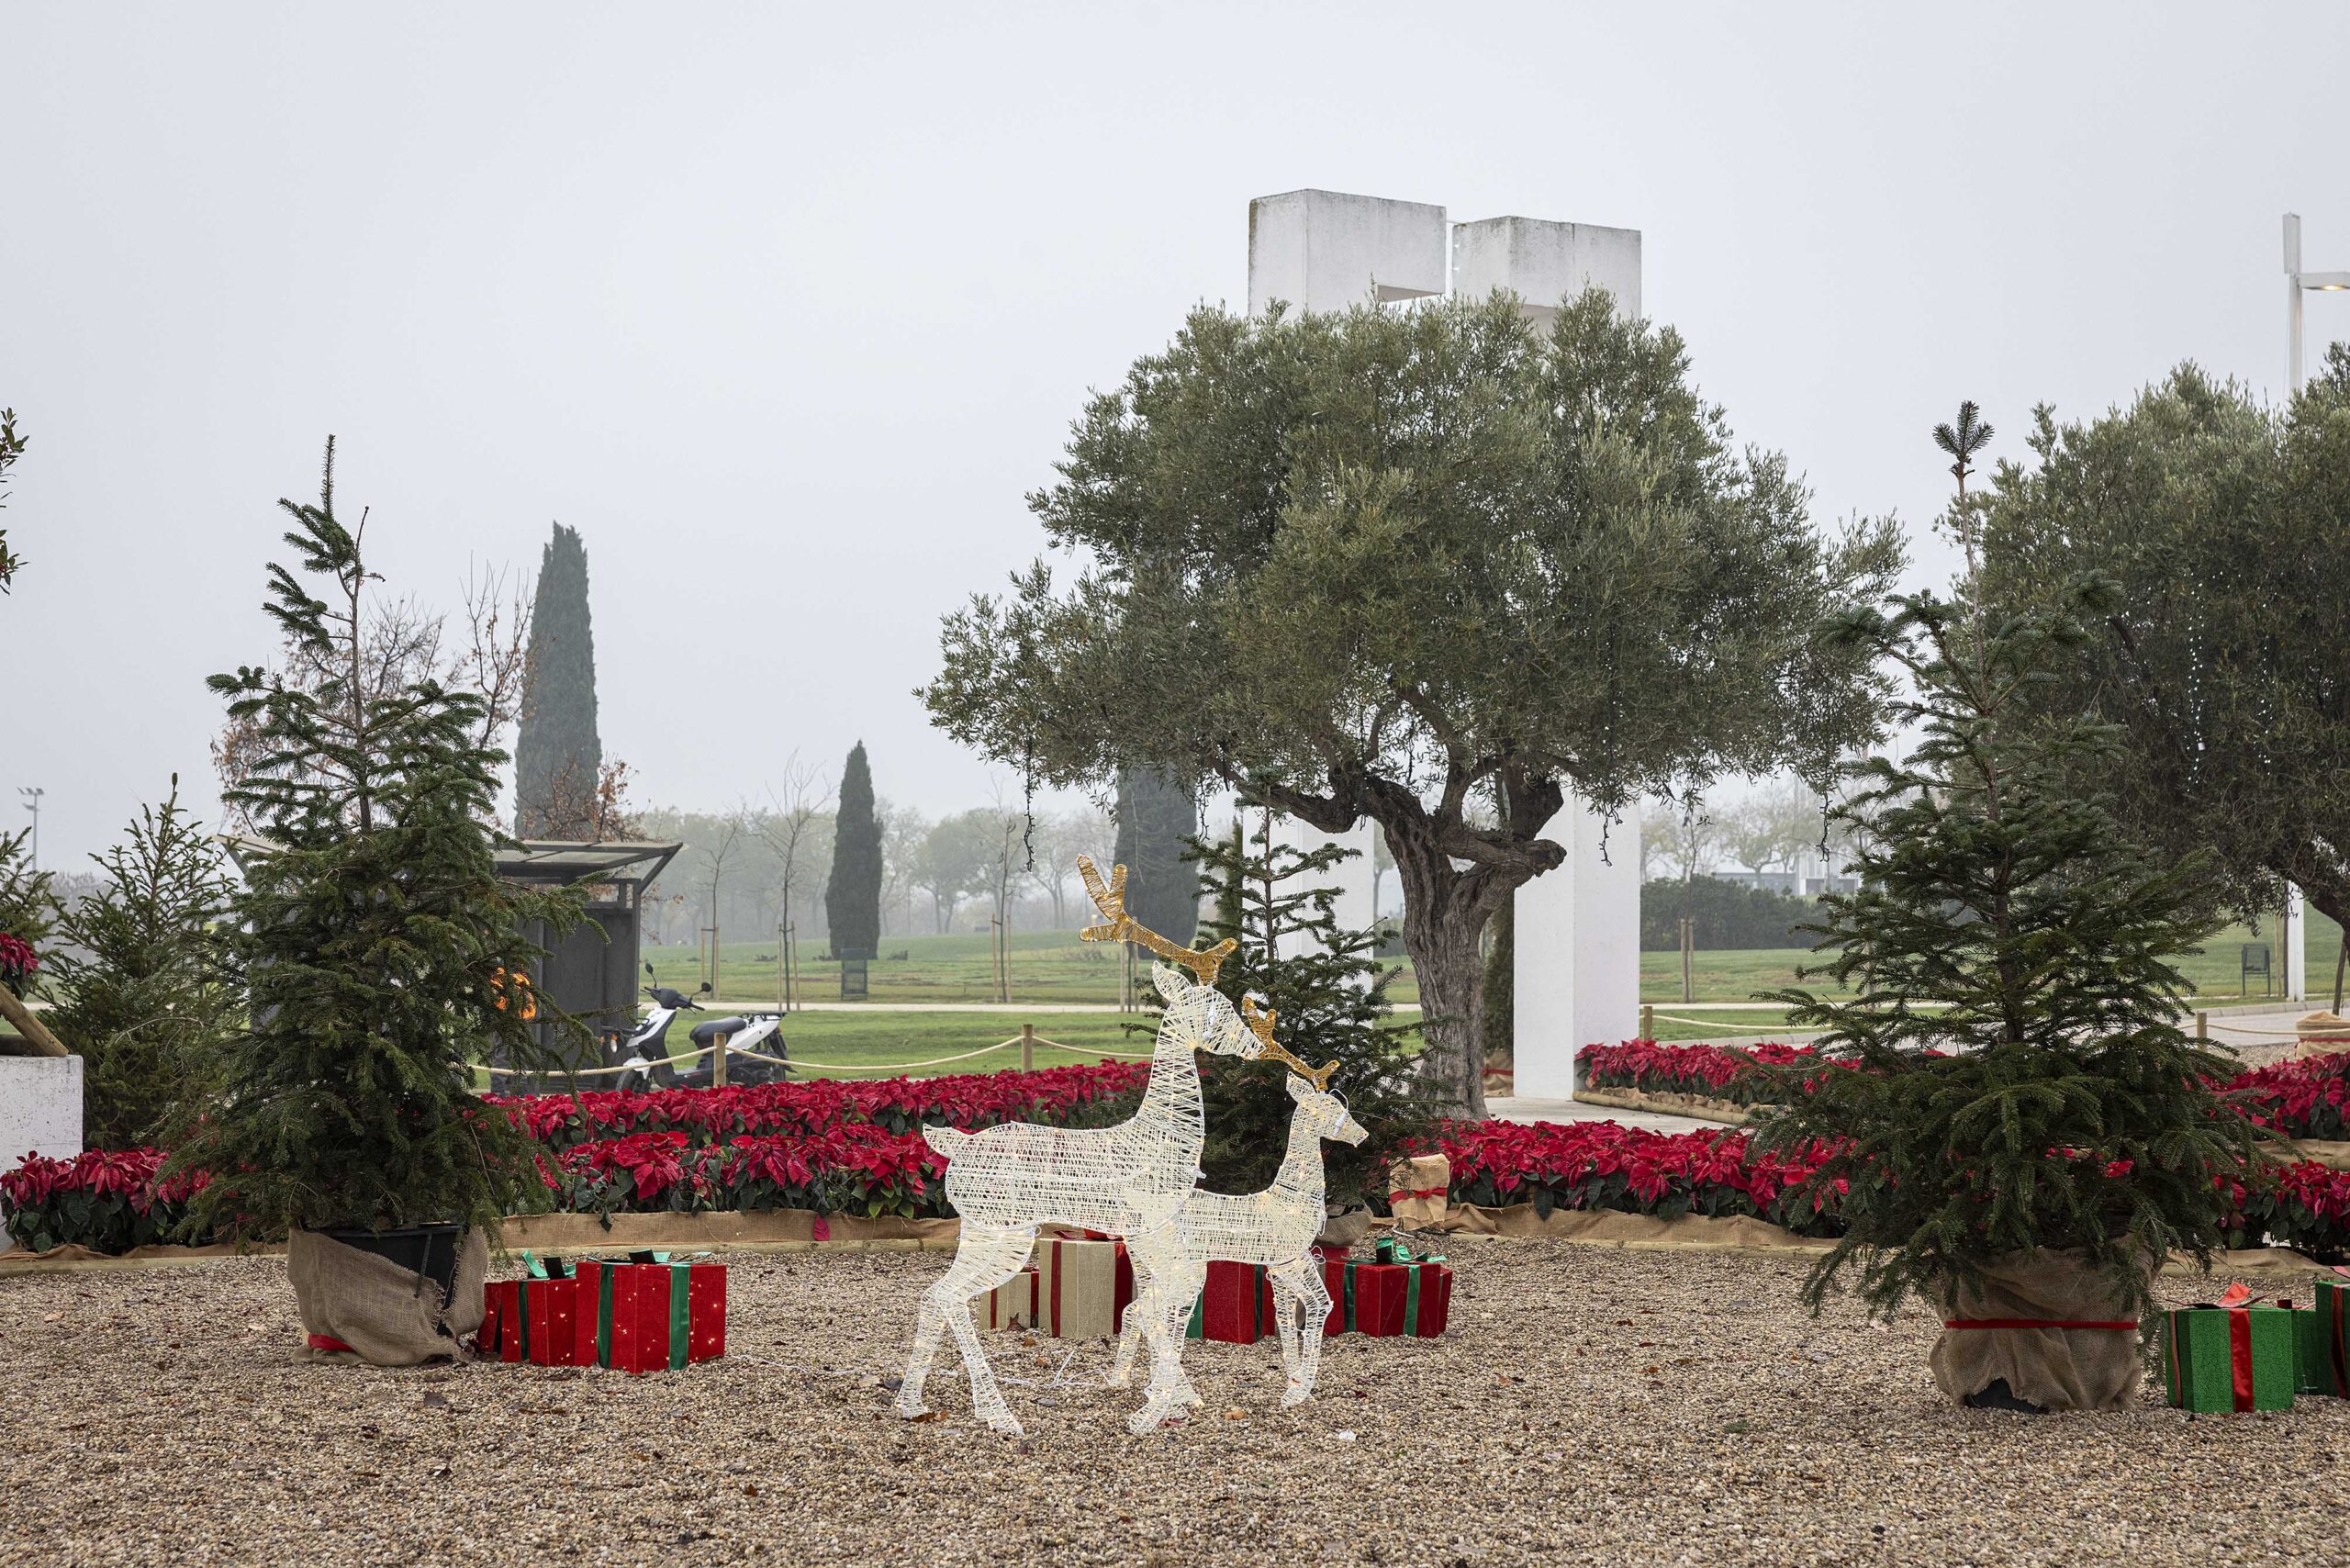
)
(1275, 1227)
(1129, 1180)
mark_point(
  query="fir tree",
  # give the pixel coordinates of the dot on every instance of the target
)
(558, 759)
(148, 1000)
(1329, 1000)
(852, 892)
(12, 445)
(1157, 817)
(27, 907)
(2003, 917)
(381, 951)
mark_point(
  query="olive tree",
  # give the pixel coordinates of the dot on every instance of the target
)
(1432, 567)
(2227, 664)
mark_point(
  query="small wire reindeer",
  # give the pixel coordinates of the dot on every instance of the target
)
(1129, 1180)
(1275, 1227)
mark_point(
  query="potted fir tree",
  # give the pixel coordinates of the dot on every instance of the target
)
(1330, 996)
(380, 952)
(2027, 1133)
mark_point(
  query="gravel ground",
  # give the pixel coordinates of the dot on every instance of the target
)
(1588, 1405)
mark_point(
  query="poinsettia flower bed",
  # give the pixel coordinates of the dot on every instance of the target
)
(1060, 1096)
(2309, 1098)
(850, 1169)
(1606, 1165)
(109, 1201)
(1711, 1072)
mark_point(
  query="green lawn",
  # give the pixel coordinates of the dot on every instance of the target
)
(1054, 967)
(1735, 976)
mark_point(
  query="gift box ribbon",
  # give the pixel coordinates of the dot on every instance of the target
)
(2332, 1328)
(2235, 1305)
(2035, 1322)
(1411, 1193)
(680, 1280)
(1391, 1250)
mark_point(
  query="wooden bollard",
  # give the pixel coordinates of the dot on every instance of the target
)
(1648, 1020)
(1027, 1048)
(35, 1032)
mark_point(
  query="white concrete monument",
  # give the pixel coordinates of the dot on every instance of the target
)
(1578, 966)
(41, 1107)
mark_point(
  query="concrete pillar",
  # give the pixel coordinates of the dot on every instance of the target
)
(2292, 935)
(1328, 250)
(1576, 973)
(1577, 967)
(1544, 262)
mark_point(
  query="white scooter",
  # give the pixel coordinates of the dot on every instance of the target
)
(646, 1052)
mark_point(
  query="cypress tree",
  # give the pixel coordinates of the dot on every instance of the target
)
(1501, 986)
(557, 756)
(381, 951)
(1157, 817)
(853, 894)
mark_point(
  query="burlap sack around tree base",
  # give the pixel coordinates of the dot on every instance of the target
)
(2061, 1369)
(2321, 1034)
(388, 1315)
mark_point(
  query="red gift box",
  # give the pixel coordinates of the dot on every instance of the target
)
(1236, 1304)
(642, 1317)
(1365, 1298)
(530, 1320)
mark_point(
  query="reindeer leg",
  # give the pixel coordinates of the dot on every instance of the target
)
(1167, 1386)
(1285, 1299)
(983, 1261)
(1148, 1295)
(1317, 1299)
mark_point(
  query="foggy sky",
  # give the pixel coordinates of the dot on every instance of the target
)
(786, 309)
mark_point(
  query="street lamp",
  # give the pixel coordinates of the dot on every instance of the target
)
(2297, 283)
(32, 803)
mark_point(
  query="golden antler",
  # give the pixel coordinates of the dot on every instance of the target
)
(1119, 926)
(1260, 1024)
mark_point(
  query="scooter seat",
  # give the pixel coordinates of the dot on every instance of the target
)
(703, 1033)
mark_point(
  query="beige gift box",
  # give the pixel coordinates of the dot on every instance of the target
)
(1415, 1190)
(1012, 1304)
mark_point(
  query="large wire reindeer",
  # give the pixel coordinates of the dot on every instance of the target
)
(1129, 1180)
(1275, 1227)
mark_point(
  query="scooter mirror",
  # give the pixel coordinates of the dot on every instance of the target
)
(648, 970)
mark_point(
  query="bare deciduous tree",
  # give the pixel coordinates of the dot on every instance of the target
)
(401, 643)
(795, 824)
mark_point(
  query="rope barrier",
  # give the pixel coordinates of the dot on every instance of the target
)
(2250, 1033)
(686, 1058)
(1707, 1023)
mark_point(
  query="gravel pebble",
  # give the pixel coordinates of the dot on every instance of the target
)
(1588, 1403)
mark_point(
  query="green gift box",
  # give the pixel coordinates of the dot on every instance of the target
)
(2324, 1342)
(2230, 1357)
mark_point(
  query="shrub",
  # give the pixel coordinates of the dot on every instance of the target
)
(1729, 915)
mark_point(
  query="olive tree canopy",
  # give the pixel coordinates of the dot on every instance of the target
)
(1429, 566)
(2227, 664)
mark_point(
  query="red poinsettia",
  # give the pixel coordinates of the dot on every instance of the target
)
(16, 961)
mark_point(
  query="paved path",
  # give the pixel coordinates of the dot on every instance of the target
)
(1526, 1108)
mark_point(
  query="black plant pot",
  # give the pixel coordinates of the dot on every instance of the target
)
(2000, 1396)
(427, 1249)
